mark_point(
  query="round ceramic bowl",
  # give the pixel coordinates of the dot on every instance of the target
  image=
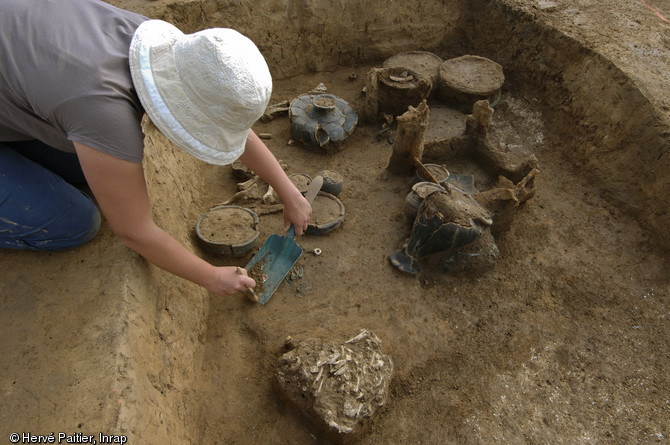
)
(327, 214)
(332, 182)
(438, 171)
(228, 230)
(301, 181)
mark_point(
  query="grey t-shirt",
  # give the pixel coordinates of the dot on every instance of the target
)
(64, 76)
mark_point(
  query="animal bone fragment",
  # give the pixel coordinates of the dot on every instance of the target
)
(341, 370)
(341, 398)
(334, 357)
(270, 197)
(318, 376)
(319, 89)
(273, 111)
(360, 336)
(251, 192)
(250, 183)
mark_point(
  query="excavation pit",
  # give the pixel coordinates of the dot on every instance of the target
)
(562, 340)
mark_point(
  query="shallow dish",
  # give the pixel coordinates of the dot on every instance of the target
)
(327, 214)
(228, 230)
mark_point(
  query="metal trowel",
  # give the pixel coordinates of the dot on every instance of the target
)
(279, 253)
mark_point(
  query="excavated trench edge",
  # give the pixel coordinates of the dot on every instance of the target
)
(163, 393)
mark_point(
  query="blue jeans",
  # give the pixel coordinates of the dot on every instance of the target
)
(39, 210)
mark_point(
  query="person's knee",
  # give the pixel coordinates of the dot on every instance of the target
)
(86, 223)
(77, 225)
(39, 210)
(90, 224)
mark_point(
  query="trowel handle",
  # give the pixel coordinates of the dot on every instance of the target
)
(249, 292)
(314, 188)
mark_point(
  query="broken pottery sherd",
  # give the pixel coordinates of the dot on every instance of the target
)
(465, 182)
(415, 197)
(477, 257)
(445, 220)
(339, 387)
(439, 172)
(301, 181)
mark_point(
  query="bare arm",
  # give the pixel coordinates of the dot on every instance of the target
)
(258, 158)
(120, 189)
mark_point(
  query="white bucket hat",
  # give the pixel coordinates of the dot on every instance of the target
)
(203, 91)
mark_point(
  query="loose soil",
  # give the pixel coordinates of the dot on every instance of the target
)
(565, 340)
(301, 181)
(257, 272)
(228, 225)
(325, 210)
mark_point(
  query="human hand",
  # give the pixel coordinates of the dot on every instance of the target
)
(297, 212)
(229, 280)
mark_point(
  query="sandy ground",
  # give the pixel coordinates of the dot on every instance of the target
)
(564, 341)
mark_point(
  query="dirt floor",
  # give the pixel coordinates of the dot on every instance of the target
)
(566, 340)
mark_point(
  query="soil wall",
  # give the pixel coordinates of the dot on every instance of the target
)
(99, 321)
(168, 315)
(95, 339)
(321, 35)
(613, 126)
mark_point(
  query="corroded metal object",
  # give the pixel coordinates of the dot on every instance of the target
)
(319, 119)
